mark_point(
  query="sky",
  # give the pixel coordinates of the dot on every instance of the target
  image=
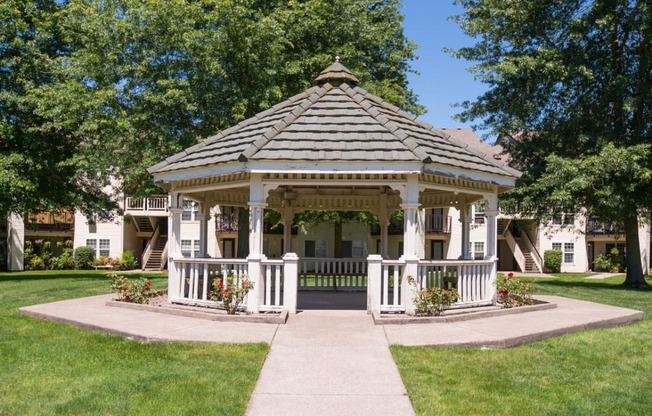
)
(443, 80)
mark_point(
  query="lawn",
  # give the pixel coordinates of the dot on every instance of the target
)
(49, 368)
(597, 372)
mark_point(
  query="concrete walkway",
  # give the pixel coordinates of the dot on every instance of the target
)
(334, 362)
(605, 275)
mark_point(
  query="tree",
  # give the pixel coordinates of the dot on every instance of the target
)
(144, 80)
(570, 96)
(38, 165)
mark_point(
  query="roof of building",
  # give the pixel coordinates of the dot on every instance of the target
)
(468, 137)
(335, 121)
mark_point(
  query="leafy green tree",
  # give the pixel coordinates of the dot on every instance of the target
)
(143, 80)
(570, 96)
(38, 161)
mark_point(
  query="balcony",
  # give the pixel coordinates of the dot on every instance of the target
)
(435, 224)
(50, 222)
(595, 227)
(156, 205)
(226, 223)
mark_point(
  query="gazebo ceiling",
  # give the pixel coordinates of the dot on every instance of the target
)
(334, 128)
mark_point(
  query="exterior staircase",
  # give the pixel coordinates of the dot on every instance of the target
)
(143, 224)
(155, 258)
(502, 225)
(529, 261)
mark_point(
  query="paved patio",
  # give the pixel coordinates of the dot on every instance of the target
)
(328, 361)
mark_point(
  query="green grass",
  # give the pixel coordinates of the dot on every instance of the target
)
(597, 372)
(48, 368)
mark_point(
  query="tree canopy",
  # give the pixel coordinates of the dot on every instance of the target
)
(92, 89)
(570, 98)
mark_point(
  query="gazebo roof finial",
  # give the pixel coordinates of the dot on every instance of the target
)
(336, 74)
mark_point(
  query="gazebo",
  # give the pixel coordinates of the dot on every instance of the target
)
(334, 146)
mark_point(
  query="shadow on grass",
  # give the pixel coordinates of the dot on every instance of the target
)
(590, 284)
(66, 274)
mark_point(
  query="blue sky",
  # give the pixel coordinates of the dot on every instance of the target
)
(443, 80)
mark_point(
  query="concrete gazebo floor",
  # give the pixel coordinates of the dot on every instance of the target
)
(334, 362)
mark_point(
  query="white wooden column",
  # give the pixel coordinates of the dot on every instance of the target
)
(204, 215)
(421, 233)
(465, 219)
(490, 213)
(288, 216)
(15, 242)
(383, 222)
(257, 205)
(174, 244)
(410, 250)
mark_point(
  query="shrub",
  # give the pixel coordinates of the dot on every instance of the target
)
(614, 262)
(512, 292)
(232, 294)
(128, 260)
(433, 301)
(84, 258)
(552, 261)
(102, 261)
(66, 260)
(134, 292)
(36, 263)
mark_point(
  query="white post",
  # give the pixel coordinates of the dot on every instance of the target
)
(254, 267)
(15, 242)
(410, 206)
(465, 219)
(288, 216)
(374, 276)
(490, 213)
(174, 244)
(421, 234)
(290, 282)
(383, 221)
(204, 216)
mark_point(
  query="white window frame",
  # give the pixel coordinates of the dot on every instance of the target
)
(477, 250)
(190, 210)
(567, 251)
(104, 247)
(477, 213)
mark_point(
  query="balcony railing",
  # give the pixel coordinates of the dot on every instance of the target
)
(595, 227)
(435, 224)
(156, 203)
(226, 223)
(50, 221)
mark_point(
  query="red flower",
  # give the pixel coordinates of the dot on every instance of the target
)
(244, 283)
(220, 284)
(127, 297)
(510, 274)
(226, 292)
(124, 288)
(148, 286)
(505, 280)
(503, 292)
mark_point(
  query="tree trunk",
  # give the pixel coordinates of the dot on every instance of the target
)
(635, 278)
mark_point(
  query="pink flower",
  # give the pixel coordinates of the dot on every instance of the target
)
(244, 283)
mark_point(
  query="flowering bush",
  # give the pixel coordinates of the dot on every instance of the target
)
(135, 292)
(433, 301)
(512, 292)
(232, 293)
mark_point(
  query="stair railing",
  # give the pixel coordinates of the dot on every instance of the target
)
(536, 257)
(150, 246)
(164, 255)
(516, 250)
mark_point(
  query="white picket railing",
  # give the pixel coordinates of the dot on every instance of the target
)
(271, 287)
(391, 277)
(157, 203)
(195, 278)
(332, 274)
(472, 279)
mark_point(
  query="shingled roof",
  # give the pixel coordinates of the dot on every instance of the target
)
(334, 121)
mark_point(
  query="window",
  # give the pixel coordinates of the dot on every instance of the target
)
(105, 248)
(190, 211)
(353, 248)
(315, 248)
(92, 243)
(618, 246)
(567, 249)
(563, 219)
(478, 213)
(477, 250)
(569, 252)
(196, 247)
(186, 247)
